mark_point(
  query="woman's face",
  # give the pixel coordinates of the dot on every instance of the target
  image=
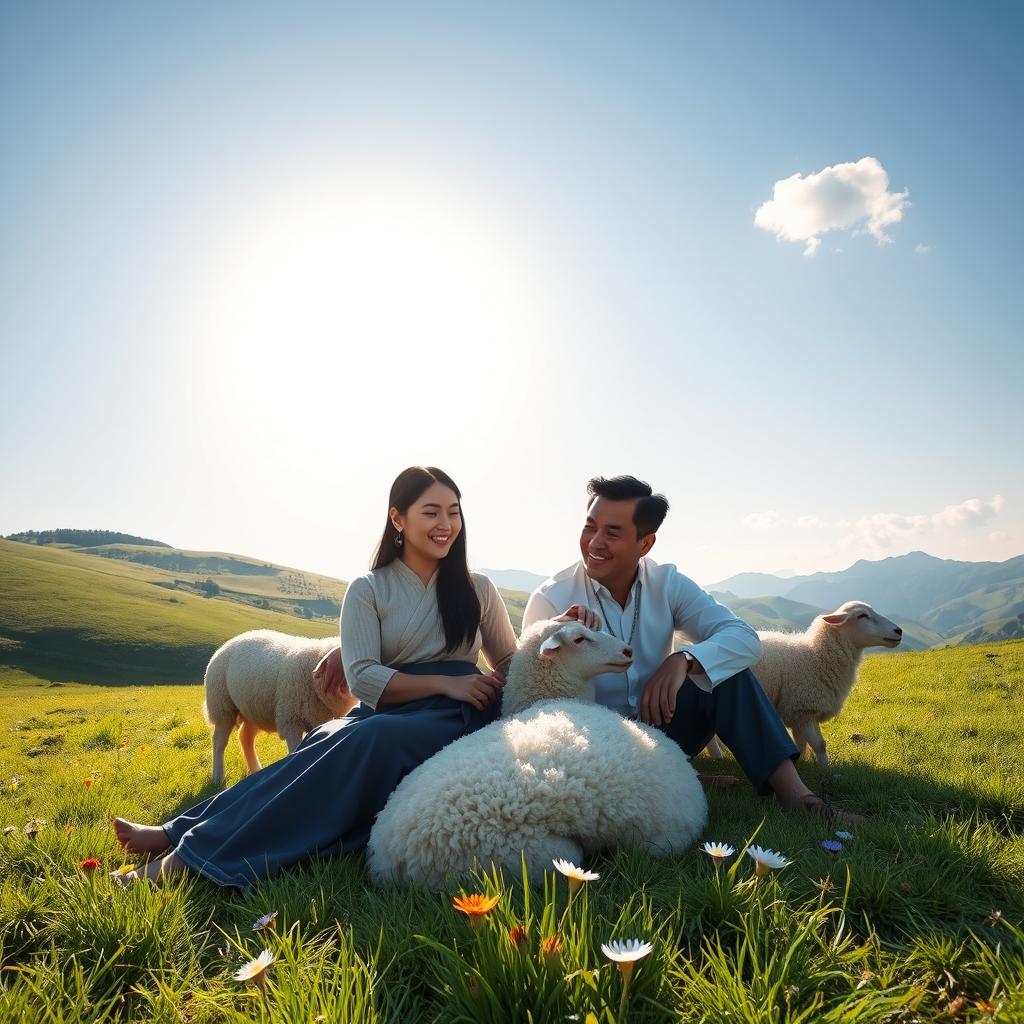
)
(432, 522)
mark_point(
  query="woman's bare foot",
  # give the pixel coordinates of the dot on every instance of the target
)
(155, 872)
(148, 839)
(169, 864)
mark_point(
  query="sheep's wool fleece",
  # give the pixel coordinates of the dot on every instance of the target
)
(559, 779)
(267, 677)
(807, 676)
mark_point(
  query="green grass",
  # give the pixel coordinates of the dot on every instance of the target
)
(69, 616)
(919, 918)
(76, 617)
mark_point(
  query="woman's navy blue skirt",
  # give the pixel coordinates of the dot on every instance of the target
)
(322, 798)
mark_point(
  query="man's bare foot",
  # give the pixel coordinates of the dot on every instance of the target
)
(717, 781)
(148, 839)
(814, 804)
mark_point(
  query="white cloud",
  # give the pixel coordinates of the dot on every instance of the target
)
(762, 520)
(921, 249)
(884, 529)
(801, 209)
(973, 512)
(809, 522)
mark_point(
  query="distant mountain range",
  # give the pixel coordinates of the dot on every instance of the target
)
(937, 601)
(515, 579)
(951, 601)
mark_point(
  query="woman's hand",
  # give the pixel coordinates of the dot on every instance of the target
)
(582, 614)
(476, 690)
(331, 673)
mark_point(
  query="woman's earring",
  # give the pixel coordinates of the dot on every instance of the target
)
(398, 539)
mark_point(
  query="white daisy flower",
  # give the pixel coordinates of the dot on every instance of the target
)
(255, 970)
(718, 851)
(766, 860)
(626, 951)
(266, 921)
(625, 955)
(576, 876)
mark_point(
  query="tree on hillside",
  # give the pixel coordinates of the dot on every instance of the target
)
(83, 538)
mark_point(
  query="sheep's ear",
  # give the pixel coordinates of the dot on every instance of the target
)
(552, 645)
(836, 619)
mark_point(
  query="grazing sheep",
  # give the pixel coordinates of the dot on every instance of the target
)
(553, 778)
(263, 680)
(809, 675)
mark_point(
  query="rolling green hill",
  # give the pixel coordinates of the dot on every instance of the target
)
(257, 583)
(70, 615)
(66, 615)
(1009, 628)
(249, 581)
(961, 615)
(124, 612)
(781, 613)
(948, 598)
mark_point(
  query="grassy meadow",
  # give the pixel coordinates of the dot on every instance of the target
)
(73, 615)
(917, 918)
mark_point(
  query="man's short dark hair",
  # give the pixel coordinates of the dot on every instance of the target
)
(651, 508)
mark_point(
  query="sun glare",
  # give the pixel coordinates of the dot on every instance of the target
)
(368, 291)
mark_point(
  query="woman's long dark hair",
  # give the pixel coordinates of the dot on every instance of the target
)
(456, 595)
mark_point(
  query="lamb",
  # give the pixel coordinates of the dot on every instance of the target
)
(555, 777)
(264, 681)
(809, 675)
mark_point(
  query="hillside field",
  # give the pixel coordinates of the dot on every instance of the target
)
(918, 918)
(70, 616)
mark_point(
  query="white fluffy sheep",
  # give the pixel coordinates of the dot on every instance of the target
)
(552, 778)
(809, 675)
(263, 681)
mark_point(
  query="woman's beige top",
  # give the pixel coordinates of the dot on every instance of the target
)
(390, 618)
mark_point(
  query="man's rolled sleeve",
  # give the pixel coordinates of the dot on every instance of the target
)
(538, 608)
(360, 644)
(722, 643)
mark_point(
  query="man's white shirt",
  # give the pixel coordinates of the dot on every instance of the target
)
(669, 603)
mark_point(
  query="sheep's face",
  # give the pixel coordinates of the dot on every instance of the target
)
(586, 652)
(862, 625)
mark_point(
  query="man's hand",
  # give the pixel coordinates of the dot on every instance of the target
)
(658, 701)
(476, 690)
(331, 674)
(582, 614)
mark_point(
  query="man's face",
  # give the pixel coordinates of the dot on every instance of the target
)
(609, 544)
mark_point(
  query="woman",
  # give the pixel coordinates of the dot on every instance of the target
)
(411, 630)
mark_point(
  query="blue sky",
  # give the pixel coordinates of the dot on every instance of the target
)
(258, 258)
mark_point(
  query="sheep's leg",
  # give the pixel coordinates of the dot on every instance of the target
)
(800, 739)
(221, 735)
(714, 748)
(247, 733)
(292, 734)
(817, 742)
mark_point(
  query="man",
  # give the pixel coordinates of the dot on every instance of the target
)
(691, 695)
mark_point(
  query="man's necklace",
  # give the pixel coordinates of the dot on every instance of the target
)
(636, 611)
